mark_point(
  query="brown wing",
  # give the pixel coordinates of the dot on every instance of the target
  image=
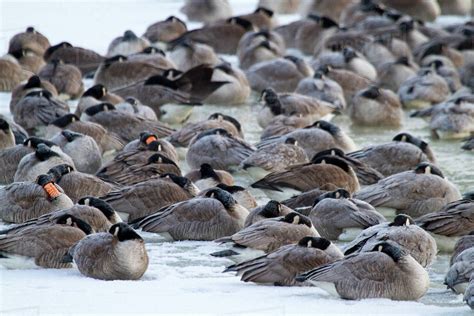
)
(305, 177)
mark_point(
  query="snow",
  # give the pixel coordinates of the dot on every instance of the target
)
(182, 277)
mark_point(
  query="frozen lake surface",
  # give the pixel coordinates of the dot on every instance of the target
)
(182, 277)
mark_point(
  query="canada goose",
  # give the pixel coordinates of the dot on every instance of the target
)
(153, 56)
(280, 6)
(380, 52)
(22, 201)
(140, 153)
(38, 109)
(218, 148)
(305, 177)
(282, 266)
(262, 18)
(347, 59)
(28, 60)
(328, 8)
(252, 38)
(258, 52)
(282, 74)
(7, 139)
(450, 74)
(39, 162)
(76, 184)
(189, 88)
(439, 47)
(82, 149)
(320, 135)
(392, 74)
(240, 194)
(95, 95)
(349, 81)
(46, 245)
(423, 90)
(30, 39)
(134, 106)
(469, 293)
(456, 7)
(206, 11)
(291, 104)
(102, 206)
(463, 243)
(266, 236)
(235, 91)
(454, 219)
(462, 268)
(313, 30)
(33, 83)
(127, 44)
(183, 136)
(272, 209)
(126, 125)
(66, 78)
(150, 141)
(416, 192)
(282, 125)
(469, 144)
(107, 141)
(337, 41)
(223, 37)
(118, 254)
(11, 74)
(376, 106)
(165, 31)
(120, 71)
(19, 133)
(365, 173)
(85, 59)
(336, 211)
(137, 166)
(466, 73)
(404, 153)
(303, 202)
(419, 9)
(187, 55)
(145, 198)
(456, 120)
(206, 177)
(11, 157)
(403, 278)
(274, 158)
(208, 217)
(96, 213)
(322, 88)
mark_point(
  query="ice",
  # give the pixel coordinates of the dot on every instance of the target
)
(182, 277)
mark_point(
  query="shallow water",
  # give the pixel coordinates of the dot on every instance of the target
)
(182, 277)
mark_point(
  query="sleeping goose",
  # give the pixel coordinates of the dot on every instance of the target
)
(266, 236)
(145, 198)
(212, 216)
(280, 267)
(118, 254)
(22, 201)
(350, 278)
(218, 148)
(44, 245)
(304, 177)
(402, 231)
(416, 192)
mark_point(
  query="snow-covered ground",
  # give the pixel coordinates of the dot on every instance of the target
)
(182, 277)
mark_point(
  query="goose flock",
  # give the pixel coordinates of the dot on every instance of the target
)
(98, 152)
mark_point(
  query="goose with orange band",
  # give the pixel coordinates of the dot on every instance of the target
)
(22, 201)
